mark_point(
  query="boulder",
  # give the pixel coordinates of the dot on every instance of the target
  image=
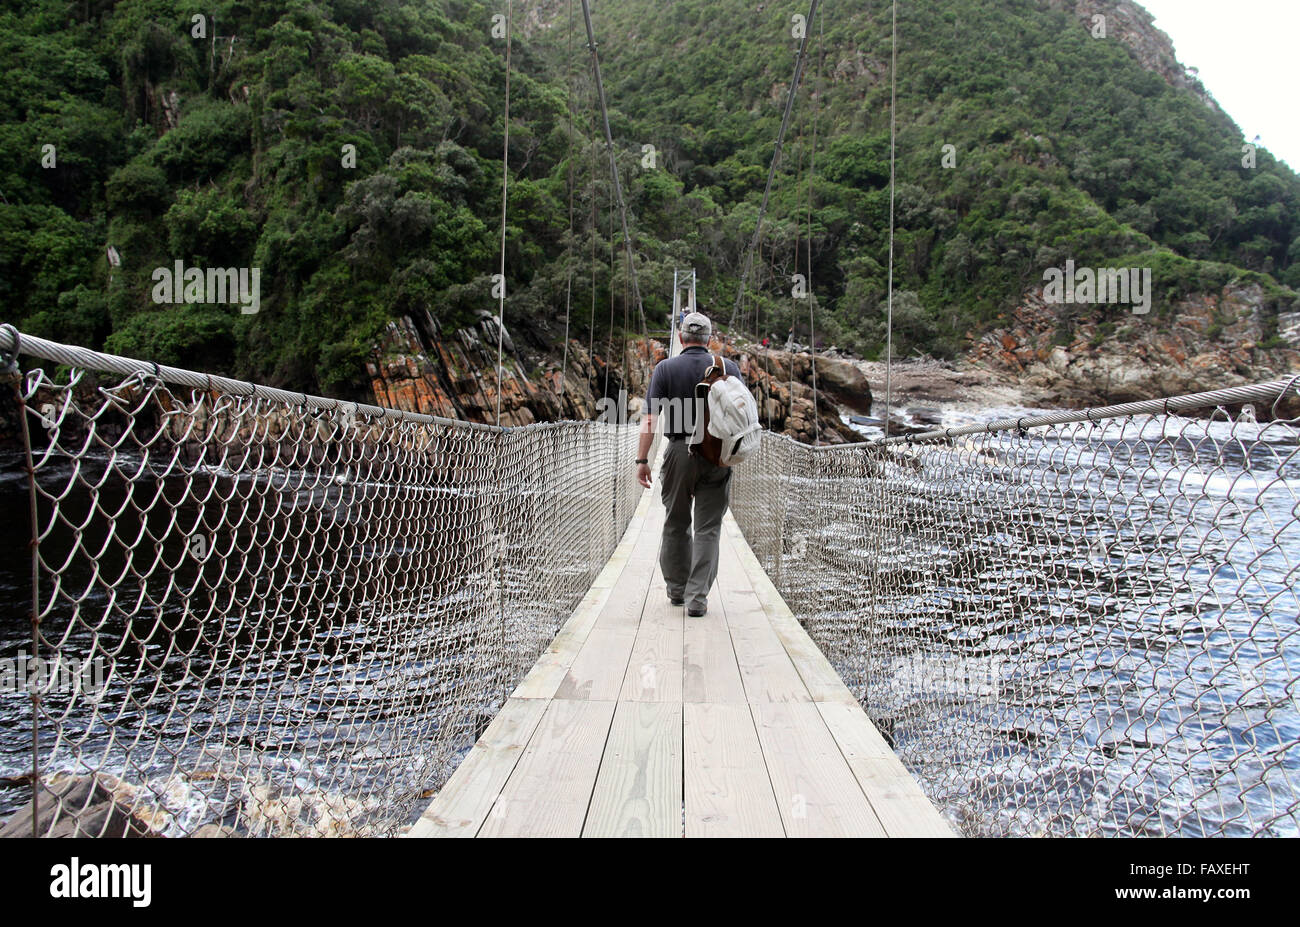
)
(96, 805)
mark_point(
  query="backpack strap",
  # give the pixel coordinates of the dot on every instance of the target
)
(720, 366)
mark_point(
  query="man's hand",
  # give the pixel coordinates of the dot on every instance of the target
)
(644, 440)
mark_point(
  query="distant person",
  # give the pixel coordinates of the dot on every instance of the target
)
(689, 561)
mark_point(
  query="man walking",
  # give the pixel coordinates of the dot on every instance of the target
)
(689, 561)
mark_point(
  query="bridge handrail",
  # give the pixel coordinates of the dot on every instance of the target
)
(1271, 391)
(261, 616)
(1071, 624)
(13, 342)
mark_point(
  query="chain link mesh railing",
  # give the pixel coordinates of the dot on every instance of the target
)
(265, 613)
(1075, 625)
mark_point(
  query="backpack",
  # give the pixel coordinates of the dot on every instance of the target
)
(729, 431)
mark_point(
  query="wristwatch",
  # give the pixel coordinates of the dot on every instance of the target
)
(639, 462)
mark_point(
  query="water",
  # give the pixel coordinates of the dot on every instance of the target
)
(1093, 630)
(1089, 631)
(299, 672)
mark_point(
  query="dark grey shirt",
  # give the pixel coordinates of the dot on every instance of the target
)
(672, 388)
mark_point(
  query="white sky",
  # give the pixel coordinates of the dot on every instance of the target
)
(1245, 51)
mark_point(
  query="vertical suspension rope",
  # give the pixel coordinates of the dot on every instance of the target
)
(766, 391)
(609, 334)
(812, 299)
(595, 225)
(568, 248)
(627, 362)
(798, 177)
(505, 196)
(499, 529)
(776, 160)
(29, 465)
(893, 134)
(613, 161)
(882, 460)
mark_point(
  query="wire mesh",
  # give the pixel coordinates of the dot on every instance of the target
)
(1088, 628)
(280, 617)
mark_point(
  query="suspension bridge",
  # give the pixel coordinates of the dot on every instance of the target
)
(640, 721)
(259, 612)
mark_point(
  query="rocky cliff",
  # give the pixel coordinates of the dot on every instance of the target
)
(418, 369)
(1079, 357)
(1135, 27)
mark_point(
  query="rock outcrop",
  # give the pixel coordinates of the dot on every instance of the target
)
(416, 369)
(1129, 23)
(1079, 358)
(95, 805)
(783, 384)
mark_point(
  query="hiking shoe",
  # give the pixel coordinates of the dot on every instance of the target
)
(697, 612)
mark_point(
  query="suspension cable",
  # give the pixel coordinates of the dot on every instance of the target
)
(776, 159)
(609, 334)
(893, 135)
(505, 196)
(812, 300)
(794, 318)
(594, 229)
(568, 247)
(613, 161)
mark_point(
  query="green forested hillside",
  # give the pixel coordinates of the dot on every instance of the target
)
(228, 150)
(1065, 147)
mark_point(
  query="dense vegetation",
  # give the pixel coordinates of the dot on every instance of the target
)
(227, 150)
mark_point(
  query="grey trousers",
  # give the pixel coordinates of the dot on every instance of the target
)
(690, 560)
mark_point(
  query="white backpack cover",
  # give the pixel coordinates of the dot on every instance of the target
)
(733, 419)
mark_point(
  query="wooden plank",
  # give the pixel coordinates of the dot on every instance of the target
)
(660, 613)
(546, 676)
(623, 552)
(765, 667)
(732, 577)
(549, 671)
(744, 611)
(548, 792)
(763, 605)
(815, 788)
(627, 600)
(709, 670)
(727, 790)
(638, 792)
(597, 671)
(462, 805)
(607, 578)
(897, 799)
(654, 669)
(819, 677)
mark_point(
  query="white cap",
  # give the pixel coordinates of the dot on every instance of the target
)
(697, 323)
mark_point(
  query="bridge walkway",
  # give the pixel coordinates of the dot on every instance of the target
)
(642, 721)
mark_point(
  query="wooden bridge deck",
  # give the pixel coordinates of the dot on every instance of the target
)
(641, 721)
